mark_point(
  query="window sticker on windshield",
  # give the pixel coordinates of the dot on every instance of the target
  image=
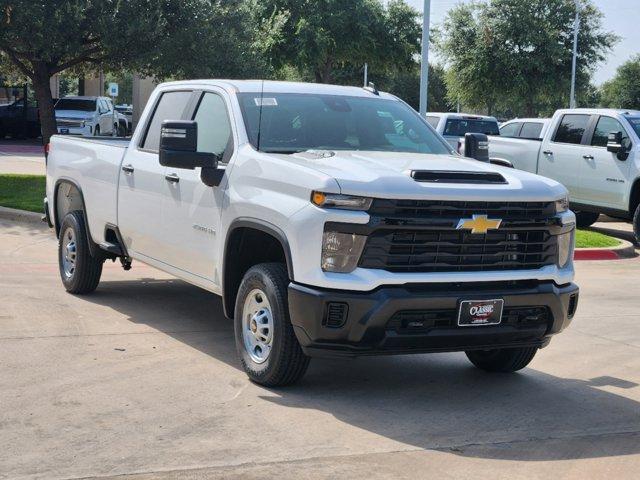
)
(266, 102)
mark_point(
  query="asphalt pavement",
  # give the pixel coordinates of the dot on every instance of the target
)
(141, 379)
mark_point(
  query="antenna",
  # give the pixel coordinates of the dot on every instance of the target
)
(260, 115)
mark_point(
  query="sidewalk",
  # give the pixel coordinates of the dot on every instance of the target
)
(21, 157)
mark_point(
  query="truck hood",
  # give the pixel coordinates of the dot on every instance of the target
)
(388, 175)
(76, 114)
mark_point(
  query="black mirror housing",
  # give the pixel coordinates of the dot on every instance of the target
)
(476, 145)
(179, 146)
(614, 142)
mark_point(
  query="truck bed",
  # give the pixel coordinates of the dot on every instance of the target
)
(93, 164)
(523, 153)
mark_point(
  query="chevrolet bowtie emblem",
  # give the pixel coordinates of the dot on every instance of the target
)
(478, 224)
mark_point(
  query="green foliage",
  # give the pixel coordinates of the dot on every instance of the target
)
(331, 39)
(125, 86)
(589, 239)
(517, 53)
(24, 192)
(623, 91)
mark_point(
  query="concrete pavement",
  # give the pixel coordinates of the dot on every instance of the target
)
(21, 157)
(141, 378)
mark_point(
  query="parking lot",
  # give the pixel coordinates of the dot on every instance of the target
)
(141, 378)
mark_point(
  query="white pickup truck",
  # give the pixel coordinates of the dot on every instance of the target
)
(332, 221)
(595, 153)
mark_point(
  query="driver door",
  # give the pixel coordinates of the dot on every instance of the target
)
(192, 210)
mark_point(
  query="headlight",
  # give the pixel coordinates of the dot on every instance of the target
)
(341, 251)
(345, 202)
(565, 247)
(562, 205)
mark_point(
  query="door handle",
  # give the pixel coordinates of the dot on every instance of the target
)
(548, 152)
(173, 178)
(128, 169)
(588, 157)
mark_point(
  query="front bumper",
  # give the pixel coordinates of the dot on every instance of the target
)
(339, 323)
(84, 131)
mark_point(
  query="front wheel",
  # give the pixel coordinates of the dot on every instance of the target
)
(96, 131)
(636, 225)
(586, 219)
(79, 270)
(502, 359)
(267, 345)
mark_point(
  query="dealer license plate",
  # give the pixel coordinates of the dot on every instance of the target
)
(480, 312)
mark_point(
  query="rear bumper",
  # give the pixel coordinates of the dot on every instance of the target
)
(339, 323)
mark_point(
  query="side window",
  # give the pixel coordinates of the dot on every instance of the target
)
(531, 130)
(510, 130)
(605, 126)
(214, 128)
(170, 107)
(571, 129)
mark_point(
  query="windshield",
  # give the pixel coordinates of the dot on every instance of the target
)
(76, 104)
(635, 123)
(459, 127)
(296, 122)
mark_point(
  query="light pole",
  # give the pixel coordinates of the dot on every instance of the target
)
(576, 28)
(424, 66)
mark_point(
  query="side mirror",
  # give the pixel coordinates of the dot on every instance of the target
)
(179, 145)
(476, 145)
(614, 142)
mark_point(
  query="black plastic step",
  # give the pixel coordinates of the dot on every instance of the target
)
(111, 248)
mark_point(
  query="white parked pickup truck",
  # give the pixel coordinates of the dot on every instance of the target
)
(595, 153)
(331, 220)
(89, 116)
(454, 126)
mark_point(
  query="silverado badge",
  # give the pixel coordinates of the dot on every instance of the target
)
(479, 224)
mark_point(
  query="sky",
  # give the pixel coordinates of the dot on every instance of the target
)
(620, 16)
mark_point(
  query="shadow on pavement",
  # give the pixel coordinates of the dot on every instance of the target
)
(428, 401)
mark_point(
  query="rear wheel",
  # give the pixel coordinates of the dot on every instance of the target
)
(268, 348)
(79, 270)
(636, 225)
(586, 219)
(502, 359)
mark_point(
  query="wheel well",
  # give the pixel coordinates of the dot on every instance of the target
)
(634, 198)
(67, 198)
(246, 247)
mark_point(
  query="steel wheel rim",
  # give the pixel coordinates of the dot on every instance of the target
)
(69, 252)
(257, 326)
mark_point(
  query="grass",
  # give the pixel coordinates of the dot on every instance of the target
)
(588, 239)
(24, 192)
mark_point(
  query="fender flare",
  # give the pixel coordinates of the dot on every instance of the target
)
(263, 226)
(93, 248)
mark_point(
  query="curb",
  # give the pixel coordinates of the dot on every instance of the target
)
(624, 250)
(21, 216)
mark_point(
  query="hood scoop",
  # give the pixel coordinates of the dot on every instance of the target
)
(446, 176)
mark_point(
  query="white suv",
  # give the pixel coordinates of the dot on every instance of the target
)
(89, 116)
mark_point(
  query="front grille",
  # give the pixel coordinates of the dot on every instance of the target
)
(69, 123)
(425, 209)
(458, 250)
(408, 322)
(421, 236)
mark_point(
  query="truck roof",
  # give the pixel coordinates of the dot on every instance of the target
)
(256, 86)
(596, 111)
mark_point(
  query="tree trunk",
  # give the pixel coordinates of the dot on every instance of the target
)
(324, 73)
(42, 88)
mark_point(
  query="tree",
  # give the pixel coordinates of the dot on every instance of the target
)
(406, 85)
(517, 53)
(328, 36)
(623, 90)
(158, 37)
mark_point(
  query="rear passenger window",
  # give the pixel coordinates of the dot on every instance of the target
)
(531, 130)
(571, 129)
(605, 126)
(170, 107)
(511, 130)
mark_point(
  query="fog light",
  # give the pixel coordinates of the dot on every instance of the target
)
(565, 248)
(341, 251)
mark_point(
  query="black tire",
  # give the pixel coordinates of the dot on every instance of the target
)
(121, 131)
(96, 131)
(85, 274)
(285, 363)
(636, 225)
(503, 359)
(586, 219)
